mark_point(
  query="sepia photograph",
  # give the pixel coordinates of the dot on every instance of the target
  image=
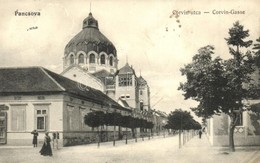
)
(113, 81)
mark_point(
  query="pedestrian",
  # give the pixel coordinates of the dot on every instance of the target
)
(46, 147)
(200, 133)
(35, 135)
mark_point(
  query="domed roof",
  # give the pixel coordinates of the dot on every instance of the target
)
(90, 38)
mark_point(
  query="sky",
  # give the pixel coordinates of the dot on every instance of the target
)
(145, 33)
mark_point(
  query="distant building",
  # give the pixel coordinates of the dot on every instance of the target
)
(91, 59)
(91, 49)
(160, 119)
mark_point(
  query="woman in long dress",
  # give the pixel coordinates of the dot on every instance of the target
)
(46, 147)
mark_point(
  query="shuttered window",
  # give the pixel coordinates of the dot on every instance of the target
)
(18, 113)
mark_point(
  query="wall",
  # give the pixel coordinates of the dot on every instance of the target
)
(132, 91)
(145, 96)
(246, 135)
(83, 77)
(54, 119)
(75, 130)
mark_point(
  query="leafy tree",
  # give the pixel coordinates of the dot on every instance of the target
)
(220, 86)
(181, 120)
(95, 119)
(257, 52)
(114, 119)
(99, 118)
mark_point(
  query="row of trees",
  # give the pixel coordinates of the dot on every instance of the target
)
(99, 118)
(182, 120)
(221, 86)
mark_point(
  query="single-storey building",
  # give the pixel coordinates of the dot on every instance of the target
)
(36, 98)
(247, 130)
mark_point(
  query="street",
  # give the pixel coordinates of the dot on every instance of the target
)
(155, 150)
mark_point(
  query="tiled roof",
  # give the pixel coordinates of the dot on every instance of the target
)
(106, 77)
(26, 80)
(37, 80)
(126, 69)
(142, 81)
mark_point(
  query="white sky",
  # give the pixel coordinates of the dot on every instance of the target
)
(136, 28)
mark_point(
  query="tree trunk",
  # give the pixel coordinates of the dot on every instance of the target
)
(114, 136)
(179, 138)
(233, 120)
(98, 138)
(231, 139)
(106, 132)
(126, 136)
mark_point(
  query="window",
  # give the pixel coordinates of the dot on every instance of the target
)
(18, 117)
(81, 58)
(83, 112)
(70, 114)
(239, 121)
(125, 80)
(141, 105)
(92, 58)
(2, 133)
(71, 59)
(73, 118)
(125, 96)
(41, 117)
(111, 61)
(90, 21)
(141, 92)
(102, 59)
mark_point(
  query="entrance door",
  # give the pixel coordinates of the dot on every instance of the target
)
(3, 127)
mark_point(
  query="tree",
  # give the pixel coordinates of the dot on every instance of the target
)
(256, 49)
(181, 120)
(95, 119)
(220, 86)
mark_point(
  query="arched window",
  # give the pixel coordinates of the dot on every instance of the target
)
(81, 58)
(103, 59)
(92, 58)
(111, 61)
(71, 59)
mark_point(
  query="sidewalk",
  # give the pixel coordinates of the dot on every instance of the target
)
(200, 151)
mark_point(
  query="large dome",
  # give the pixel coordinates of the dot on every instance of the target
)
(90, 39)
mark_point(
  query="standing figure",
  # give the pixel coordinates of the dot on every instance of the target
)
(200, 133)
(35, 135)
(46, 147)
